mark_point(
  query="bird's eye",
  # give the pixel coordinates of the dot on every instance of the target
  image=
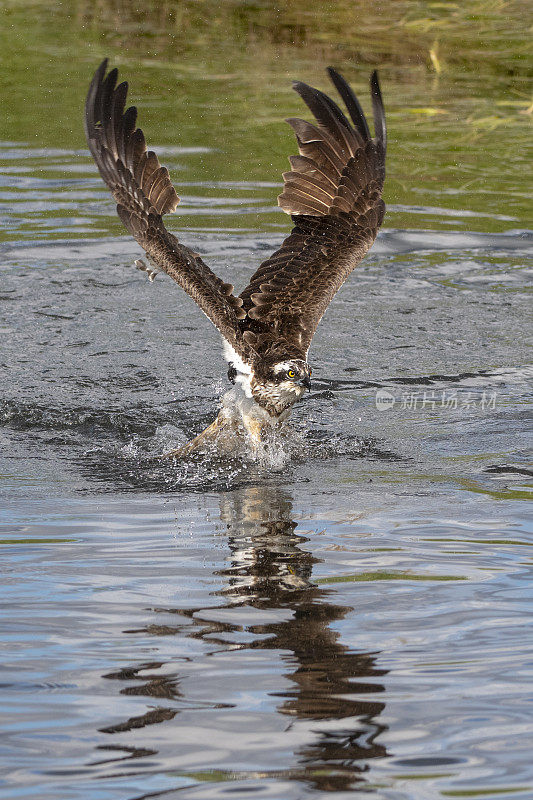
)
(291, 373)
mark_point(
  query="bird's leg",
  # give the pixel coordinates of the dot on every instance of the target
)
(254, 428)
(226, 432)
(209, 434)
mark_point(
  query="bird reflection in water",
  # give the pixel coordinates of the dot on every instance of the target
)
(269, 569)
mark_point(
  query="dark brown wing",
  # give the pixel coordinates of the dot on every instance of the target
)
(144, 192)
(333, 194)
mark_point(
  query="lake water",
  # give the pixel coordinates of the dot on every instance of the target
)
(350, 613)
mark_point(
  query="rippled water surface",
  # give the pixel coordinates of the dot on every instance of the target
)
(346, 614)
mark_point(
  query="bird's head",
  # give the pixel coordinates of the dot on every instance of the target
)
(278, 385)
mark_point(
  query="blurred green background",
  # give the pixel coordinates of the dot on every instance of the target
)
(456, 79)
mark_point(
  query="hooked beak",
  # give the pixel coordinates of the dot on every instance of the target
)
(306, 382)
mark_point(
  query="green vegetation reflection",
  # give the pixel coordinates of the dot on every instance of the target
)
(388, 576)
(216, 77)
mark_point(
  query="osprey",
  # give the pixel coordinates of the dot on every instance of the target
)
(333, 195)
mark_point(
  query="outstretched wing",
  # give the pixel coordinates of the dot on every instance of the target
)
(144, 192)
(333, 194)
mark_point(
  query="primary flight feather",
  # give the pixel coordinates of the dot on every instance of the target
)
(333, 194)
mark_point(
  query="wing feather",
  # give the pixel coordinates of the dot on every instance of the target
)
(351, 102)
(333, 193)
(143, 191)
(329, 116)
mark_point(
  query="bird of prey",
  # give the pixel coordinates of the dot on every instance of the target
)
(333, 195)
